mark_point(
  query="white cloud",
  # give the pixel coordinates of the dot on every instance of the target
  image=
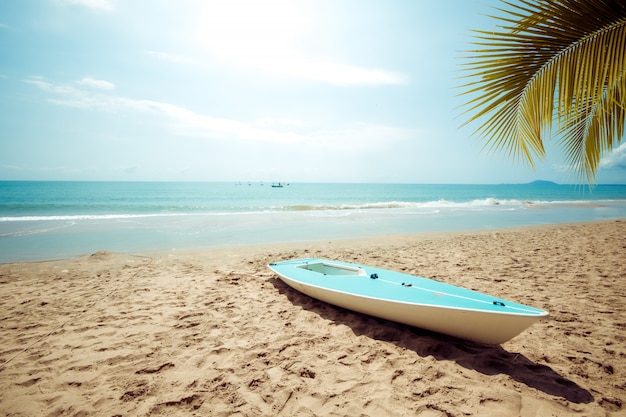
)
(99, 84)
(329, 72)
(269, 121)
(48, 86)
(99, 5)
(616, 159)
(186, 122)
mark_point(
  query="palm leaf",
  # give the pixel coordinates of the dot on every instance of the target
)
(562, 61)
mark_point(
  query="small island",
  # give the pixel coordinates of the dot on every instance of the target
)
(542, 182)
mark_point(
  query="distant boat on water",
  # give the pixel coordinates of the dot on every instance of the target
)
(277, 185)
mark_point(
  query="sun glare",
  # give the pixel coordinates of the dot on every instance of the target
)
(250, 31)
(272, 37)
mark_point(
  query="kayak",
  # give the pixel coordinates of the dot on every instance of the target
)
(408, 299)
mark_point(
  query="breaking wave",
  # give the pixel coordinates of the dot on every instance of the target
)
(429, 206)
(77, 217)
(487, 202)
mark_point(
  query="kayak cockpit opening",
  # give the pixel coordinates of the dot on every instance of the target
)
(328, 268)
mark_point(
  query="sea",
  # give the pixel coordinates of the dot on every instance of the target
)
(45, 220)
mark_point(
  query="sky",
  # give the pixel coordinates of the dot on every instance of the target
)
(245, 90)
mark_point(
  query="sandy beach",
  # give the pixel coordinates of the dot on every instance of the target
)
(216, 333)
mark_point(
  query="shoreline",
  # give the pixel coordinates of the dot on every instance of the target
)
(364, 242)
(56, 239)
(376, 240)
(214, 332)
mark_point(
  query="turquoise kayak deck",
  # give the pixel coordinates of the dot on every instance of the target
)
(377, 283)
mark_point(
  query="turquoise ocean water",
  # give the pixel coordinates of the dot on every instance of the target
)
(50, 220)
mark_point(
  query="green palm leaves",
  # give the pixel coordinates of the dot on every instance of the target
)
(560, 60)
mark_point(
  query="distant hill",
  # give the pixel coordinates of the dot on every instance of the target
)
(542, 182)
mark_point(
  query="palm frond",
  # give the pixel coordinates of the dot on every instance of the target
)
(560, 60)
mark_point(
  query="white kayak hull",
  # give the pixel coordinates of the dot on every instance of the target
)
(430, 305)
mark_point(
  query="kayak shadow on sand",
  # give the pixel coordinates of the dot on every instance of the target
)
(486, 359)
